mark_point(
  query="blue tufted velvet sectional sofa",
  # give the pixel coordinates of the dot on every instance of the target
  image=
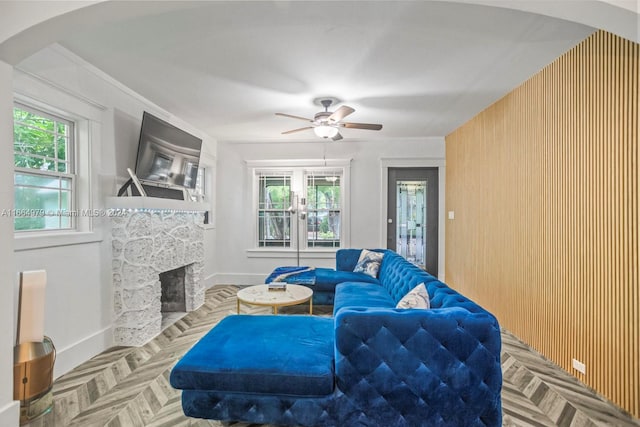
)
(369, 365)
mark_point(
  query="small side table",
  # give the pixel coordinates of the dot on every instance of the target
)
(261, 295)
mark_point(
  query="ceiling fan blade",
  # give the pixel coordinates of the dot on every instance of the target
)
(338, 137)
(294, 117)
(340, 113)
(368, 126)
(297, 130)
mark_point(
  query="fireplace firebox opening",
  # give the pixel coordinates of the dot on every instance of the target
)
(172, 297)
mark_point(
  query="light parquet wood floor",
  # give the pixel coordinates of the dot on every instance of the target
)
(129, 387)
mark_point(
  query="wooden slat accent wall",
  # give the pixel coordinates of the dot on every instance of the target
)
(545, 189)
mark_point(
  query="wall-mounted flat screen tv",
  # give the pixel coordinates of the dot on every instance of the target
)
(167, 155)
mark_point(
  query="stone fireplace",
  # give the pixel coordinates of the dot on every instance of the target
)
(147, 246)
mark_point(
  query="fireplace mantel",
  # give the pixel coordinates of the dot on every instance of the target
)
(152, 203)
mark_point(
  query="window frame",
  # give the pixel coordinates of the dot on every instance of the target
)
(87, 118)
(200, 190)
(287, 215)
(208, 192)
(317, 243)
(69, 173)
(299, 169)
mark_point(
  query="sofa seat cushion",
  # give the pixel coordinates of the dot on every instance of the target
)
(327, 278)
(361, 294)
(289, 355)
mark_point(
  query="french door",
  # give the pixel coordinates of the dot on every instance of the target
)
(412, 215)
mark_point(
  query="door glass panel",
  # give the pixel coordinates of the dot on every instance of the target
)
(410, 220)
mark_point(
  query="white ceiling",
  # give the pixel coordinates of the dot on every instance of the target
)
(421, 68)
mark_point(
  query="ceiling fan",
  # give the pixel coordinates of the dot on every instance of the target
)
(327, 124)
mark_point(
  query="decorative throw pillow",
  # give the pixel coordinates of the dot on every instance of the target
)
(369, 263)
(417, 297)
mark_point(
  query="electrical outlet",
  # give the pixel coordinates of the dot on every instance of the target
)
(452, 215)
(579, 366)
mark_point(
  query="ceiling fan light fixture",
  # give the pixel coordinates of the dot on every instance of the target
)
(324, 131)
(327, 124)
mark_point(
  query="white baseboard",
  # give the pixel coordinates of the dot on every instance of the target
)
(73, 355)
(209, 281)
(10, 414)
(238, 279)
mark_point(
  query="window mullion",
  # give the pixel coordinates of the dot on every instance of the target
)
(39, 172)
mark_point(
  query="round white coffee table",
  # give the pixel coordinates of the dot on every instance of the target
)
(261, 295)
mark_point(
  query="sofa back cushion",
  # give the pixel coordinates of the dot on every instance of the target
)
(347, 259)
(399, 276)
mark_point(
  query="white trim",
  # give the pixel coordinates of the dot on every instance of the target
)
(209, 281)
(288, 163)
(86, 144)
(154, 203)
(291, 253)
(10, 414)
(345, 200)
(62, 89)
(73, 355)
(38, 88)
(25, 241)
(412, 162)
(210, 164)
(424, 162)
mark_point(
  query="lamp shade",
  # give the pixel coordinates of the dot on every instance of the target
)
(324, 131)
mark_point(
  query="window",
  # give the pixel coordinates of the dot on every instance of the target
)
(323, 209)
(44, 170)
(201, 186)
(274, 213)
(199, 191)
(300, 207)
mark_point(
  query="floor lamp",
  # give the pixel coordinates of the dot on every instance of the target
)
(298, 208)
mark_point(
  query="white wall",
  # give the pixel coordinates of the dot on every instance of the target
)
(235, 216)
(208, 160)
(9, 410)
(78, 312)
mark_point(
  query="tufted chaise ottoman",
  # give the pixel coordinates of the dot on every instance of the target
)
(246, 364)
